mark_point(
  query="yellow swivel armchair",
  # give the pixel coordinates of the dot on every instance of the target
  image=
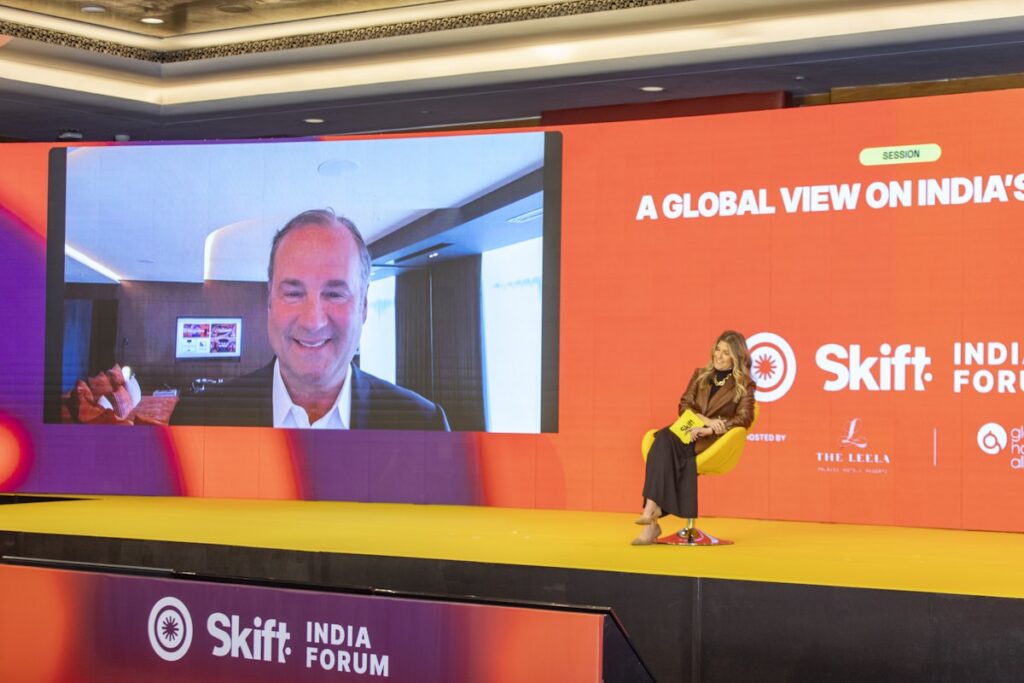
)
(718, 458)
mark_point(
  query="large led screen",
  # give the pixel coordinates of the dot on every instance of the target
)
(868, 252)
(358, 284)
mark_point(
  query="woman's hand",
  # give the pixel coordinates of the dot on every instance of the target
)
(698, 432)
(717, 426)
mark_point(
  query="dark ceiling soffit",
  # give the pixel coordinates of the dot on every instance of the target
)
(355, 35)
(441, 220)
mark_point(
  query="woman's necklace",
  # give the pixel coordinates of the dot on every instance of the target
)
(720, 383)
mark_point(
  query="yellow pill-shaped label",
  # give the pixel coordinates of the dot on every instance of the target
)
(902, 154)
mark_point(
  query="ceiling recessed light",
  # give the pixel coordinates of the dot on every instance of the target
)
(93, 9)
(151, 20)
(430, 252)
(527, 217)
(333, 167)
(652, 88)
(313, 120)
(799, 78)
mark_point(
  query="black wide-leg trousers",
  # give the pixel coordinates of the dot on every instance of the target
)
(671, 479)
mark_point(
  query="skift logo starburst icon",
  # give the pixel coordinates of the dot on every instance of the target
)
(774, 365)
(170, 629)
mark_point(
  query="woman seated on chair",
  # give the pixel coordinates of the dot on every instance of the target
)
(722, 395)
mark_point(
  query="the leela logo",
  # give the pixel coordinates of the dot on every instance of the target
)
(853, 438)
(170, 629)
(856, 457)
(993, 439)
(773, 365)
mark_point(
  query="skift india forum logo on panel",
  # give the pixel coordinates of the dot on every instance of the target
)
(170, 629)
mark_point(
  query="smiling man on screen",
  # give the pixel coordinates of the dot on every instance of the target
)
(316, 305)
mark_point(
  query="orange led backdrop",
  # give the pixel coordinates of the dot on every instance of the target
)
(869, 251)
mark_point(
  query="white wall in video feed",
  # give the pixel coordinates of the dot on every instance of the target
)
(512, 280)
(208, 212)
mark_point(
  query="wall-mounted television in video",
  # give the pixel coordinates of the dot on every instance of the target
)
(208, 338)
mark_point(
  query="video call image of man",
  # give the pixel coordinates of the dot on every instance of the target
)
(318, 276)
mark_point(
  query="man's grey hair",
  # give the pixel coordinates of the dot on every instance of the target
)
(328, 219)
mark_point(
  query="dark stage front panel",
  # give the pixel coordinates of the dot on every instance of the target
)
(684, 629)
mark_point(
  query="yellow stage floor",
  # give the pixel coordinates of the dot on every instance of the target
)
(960, 562)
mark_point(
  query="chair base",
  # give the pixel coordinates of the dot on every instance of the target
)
(692, 536)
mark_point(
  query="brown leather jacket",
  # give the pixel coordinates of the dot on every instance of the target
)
(721, 406)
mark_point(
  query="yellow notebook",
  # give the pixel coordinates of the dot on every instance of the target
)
(688, 420)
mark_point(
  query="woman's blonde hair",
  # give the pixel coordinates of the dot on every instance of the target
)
(741, 363)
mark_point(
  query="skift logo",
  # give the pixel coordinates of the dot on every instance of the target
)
(852, 369)
(773, 366)
(170, 629)
(170, 634)
(993, 439)
(345, 648)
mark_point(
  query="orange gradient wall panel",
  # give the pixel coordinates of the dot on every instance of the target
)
(873, 300)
